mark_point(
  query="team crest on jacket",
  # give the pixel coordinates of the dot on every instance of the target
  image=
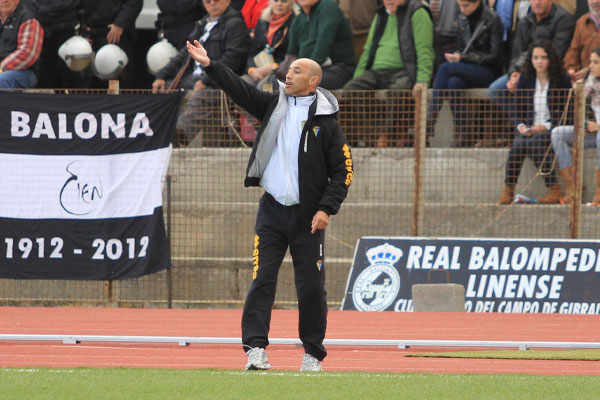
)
(316, 130)
(319, 264)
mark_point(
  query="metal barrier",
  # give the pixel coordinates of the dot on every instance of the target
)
(426, 164)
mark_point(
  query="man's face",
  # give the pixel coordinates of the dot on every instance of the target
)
(594, 6)
(214, 8)
(392, 5)
(297, 80)
(8, 6)
(306, 3)
(541, 8)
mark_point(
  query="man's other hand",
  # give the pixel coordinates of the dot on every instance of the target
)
(319, 221)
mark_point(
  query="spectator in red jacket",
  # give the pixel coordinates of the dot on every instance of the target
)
(252, 10)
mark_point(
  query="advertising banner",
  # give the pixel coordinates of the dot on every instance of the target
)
(499, 275)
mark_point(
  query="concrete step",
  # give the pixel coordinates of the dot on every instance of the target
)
(221, 234)
(466, 176)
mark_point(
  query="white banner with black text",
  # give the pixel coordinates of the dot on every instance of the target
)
(81, 185)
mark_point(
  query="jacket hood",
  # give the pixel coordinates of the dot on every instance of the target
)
(327, 104)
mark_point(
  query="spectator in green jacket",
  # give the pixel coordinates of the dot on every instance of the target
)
(398, 55)
(322, 33)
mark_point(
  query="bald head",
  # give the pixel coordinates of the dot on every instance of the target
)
(303, 77)
(313, 67)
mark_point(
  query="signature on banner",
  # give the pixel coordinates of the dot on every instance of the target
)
(81, 193)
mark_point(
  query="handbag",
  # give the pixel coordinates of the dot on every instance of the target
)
(265, 56)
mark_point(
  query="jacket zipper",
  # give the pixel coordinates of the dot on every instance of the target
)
(305, 141)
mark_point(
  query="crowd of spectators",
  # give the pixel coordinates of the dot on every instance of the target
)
(360, 44)
(328, 31)
(465, 33)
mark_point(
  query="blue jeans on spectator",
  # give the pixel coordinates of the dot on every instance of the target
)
(497, 91)
(562, 138)
(13, 79)
(454, 76)
(536, 147)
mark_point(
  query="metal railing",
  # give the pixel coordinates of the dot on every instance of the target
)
(416, 174)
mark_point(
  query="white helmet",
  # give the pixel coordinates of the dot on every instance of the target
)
(76, 52)
(109, 61)
(159, 55)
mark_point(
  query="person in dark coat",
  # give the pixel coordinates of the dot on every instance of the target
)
(59, 18)
(226, 38)
(546, 20)
(476, 63)
(112, 21)
(302, 160)
(178, 19)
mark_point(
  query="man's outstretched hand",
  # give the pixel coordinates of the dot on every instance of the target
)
(198, 53)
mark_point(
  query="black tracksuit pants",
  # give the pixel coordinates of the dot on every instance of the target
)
(277, 227)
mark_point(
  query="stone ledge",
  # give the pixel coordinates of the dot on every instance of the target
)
(438, 297)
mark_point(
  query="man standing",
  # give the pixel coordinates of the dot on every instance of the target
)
(21, 37)
(112, 21)
(301, 159)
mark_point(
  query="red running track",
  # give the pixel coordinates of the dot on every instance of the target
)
(342, 325)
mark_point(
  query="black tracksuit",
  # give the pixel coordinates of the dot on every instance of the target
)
(325, 172)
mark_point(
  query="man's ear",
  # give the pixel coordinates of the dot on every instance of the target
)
(314, 80)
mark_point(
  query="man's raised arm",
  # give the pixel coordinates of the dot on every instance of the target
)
(255, 101)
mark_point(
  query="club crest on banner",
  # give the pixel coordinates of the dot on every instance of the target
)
(376, 288)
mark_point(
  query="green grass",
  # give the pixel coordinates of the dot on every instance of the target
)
(122, 383)
(579, 355)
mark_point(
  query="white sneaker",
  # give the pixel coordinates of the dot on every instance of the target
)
(257, 359)
(310, 363)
